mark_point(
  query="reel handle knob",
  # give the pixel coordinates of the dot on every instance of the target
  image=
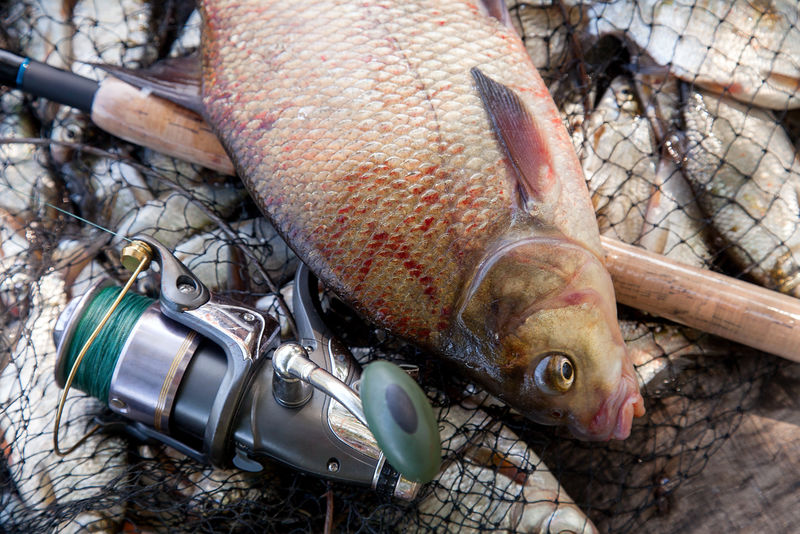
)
(394, 408)
(401, 419)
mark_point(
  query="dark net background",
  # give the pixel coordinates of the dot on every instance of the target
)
(656, 180)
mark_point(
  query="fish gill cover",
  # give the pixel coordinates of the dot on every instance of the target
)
(687, 134)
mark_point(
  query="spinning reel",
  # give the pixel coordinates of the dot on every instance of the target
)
(213, 380)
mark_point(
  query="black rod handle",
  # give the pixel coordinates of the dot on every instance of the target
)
(49, 82)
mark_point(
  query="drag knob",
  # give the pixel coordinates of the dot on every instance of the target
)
(400, 417)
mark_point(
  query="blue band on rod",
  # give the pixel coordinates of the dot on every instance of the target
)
(21, 71)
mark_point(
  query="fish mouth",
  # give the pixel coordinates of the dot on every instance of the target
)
(614, 418)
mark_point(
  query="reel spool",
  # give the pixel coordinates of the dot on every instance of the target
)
(189, 370)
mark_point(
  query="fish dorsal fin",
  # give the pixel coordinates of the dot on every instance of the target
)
(498, 10)
(520, 138)
(174, 79)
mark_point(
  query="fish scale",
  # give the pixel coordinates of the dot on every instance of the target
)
(364, 133)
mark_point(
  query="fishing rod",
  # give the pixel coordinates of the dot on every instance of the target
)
(121, 110)
(212, 379)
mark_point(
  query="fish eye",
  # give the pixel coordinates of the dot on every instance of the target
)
(555, 373)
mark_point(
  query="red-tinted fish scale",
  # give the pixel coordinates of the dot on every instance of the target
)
(358, 129)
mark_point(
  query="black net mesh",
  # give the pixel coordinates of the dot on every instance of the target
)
(681, 115)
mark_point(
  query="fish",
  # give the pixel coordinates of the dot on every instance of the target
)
(674, 225)
(104, 32)
(746, 176)
(619, 161)
(111, 32)
(203, 484)
(118, 188)
(411, 155)
(744, 49)
(169, 170)
(639, 192)
(26, 186)
(661, 350)
(16, 259)
(216, 261)
(28, 398)
(545, 33)
(510, 487)
(42, 31)
(172, 217)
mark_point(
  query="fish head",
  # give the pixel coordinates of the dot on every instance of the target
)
(542, 315)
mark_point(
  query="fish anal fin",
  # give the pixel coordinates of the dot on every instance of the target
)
(174, 79)
(520, 138)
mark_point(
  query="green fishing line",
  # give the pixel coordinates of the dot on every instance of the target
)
(94, 374)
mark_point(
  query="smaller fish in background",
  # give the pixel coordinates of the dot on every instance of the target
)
(29, 396)
(661, 351)
(546, 33)
(640, 196)
(172, 217)
(673, 222)
(25, 181)
(217, 262)
(746, 175)
(509, 486)
(113, 33)
(619, 159)
(748, 50)
(41, 30)
(221, 486)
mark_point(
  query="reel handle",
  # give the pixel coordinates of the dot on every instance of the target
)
(395, 409)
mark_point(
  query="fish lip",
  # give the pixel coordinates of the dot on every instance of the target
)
(614, 418)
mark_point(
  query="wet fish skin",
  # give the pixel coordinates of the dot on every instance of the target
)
(362, 136)
(746, 175)
(746, 49)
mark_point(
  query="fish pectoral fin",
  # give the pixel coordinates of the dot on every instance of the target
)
(520, 138)
(174, 79)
